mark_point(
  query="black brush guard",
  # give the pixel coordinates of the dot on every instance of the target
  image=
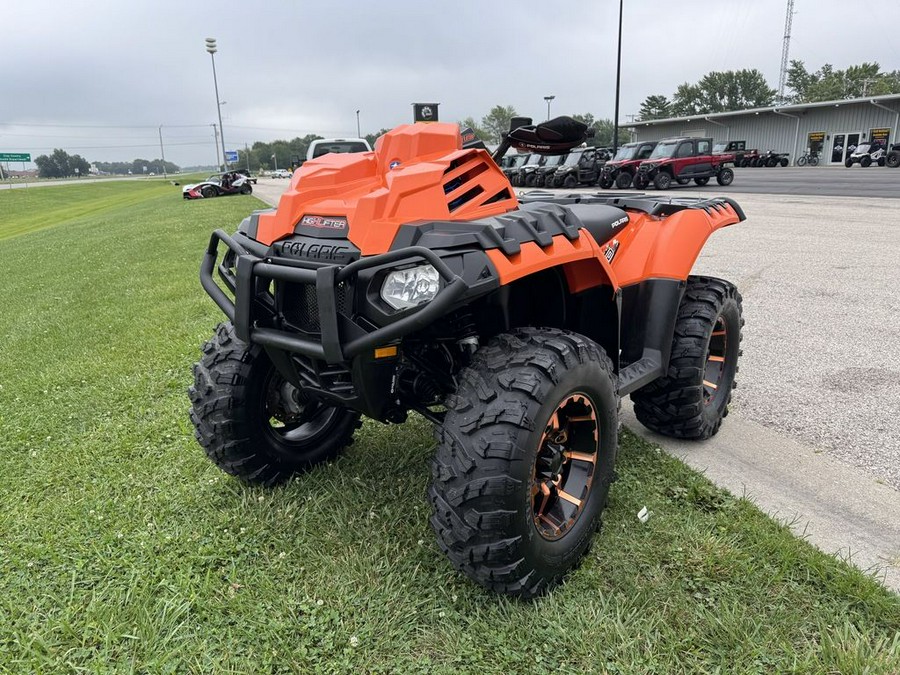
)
(249, 267)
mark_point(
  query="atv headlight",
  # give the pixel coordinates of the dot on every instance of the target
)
(411, 287)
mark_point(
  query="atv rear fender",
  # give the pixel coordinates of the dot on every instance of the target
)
(667, 246)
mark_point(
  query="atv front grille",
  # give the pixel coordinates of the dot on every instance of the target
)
(300, 305)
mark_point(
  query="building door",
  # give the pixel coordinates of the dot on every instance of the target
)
(843, 145)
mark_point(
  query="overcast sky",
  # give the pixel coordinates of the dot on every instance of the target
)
(87, 76)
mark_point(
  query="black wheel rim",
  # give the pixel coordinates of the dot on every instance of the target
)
(714, 374)
(565, 466)
(290, 417)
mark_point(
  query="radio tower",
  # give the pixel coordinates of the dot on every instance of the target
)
(782, 79)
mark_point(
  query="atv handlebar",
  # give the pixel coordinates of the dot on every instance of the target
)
(325, 280)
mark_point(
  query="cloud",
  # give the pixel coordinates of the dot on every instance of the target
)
(289, 68)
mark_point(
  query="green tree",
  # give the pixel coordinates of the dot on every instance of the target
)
(721, 91)
(799, 81)
(60, 164)
(685, 100)
(655, 107)
(830, 84)
(496, 122)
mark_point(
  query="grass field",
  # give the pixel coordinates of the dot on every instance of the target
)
(123, 549)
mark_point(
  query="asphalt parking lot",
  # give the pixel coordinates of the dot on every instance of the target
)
(873, 181)
(819, 278)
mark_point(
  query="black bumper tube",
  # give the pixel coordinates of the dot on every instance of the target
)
(325, 279)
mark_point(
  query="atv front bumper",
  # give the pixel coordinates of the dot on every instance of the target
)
(336, 341)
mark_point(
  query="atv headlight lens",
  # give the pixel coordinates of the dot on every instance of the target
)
(411, 287)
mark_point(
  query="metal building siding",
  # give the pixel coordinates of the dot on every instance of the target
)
(771, 131)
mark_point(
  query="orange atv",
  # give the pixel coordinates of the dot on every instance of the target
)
(411, 278)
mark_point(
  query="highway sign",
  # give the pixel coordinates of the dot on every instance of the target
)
(231, 156)
(15, 157)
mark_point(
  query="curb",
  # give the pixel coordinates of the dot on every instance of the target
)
(835, 507)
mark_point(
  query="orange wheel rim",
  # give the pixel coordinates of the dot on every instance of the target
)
(714, 372)
(565, 466)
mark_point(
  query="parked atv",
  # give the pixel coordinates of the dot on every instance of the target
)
(412, 279)
(771, 159)
(547, 170)
(892, 158)
(681, 160)
(566, 175)
(743, 156)
(867, 154)
(620, 170)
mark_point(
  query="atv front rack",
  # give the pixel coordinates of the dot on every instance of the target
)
(250, 267)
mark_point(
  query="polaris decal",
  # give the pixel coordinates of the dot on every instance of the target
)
(620, 221)
(325, 222)
(313, 250)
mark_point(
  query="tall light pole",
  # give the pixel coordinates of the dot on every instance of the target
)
(358, 135)
(548, 99)
(211, 48)
(618, 83)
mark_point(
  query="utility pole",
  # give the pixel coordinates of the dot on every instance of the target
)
(865, 84)
(358, 135)
(162, 152)
(618, 85)
(247, 152)
(785, 50)
(216, 141)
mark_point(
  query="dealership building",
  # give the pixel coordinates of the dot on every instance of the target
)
(832, 129)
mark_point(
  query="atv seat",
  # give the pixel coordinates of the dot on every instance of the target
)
(602, 221)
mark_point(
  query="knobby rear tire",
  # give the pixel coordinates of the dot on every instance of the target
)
(676, 404)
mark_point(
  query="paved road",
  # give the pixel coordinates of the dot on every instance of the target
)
(873, 181)
(4, 185)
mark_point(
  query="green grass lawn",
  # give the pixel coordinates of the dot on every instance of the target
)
(123, 549)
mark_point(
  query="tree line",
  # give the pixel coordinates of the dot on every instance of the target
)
(724, 91)
(60, 164)
(137, 166)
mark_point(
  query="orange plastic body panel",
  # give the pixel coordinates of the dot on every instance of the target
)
(665, 248)
(411, 175)
(581, 260)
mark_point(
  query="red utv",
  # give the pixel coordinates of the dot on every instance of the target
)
(620, 170)
(682, 160)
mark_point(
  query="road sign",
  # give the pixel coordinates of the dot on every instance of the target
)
(231, 156)
(15, 157)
